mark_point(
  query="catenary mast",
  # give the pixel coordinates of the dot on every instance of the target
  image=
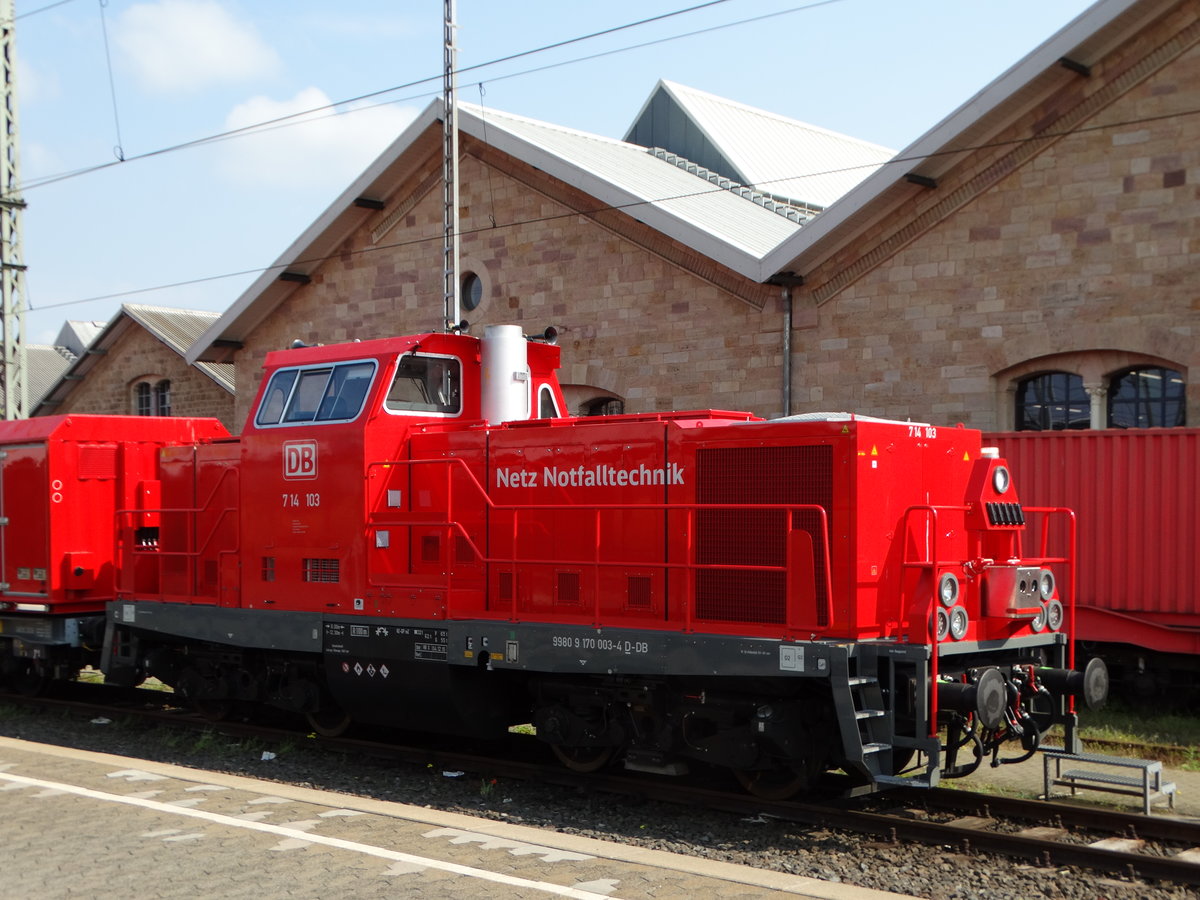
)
(450, 243)
(12, 287)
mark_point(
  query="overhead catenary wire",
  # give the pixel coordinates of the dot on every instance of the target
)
(42, 9)
(335, 108)
(620, 207)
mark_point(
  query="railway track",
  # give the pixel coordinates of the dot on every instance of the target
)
(1153, 848)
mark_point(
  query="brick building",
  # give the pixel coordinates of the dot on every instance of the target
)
(1030, 261)
(136, 366)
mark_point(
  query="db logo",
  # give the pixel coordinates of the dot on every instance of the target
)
(299, 460)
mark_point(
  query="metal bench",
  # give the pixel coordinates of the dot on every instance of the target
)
(1148, 784)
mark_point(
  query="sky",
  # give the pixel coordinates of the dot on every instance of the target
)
(106, 89)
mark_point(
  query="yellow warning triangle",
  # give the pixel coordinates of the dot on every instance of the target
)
(967, 457)
(845, 429)
(874, 451)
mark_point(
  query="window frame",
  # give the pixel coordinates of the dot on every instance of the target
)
(1080, 403)
(546, 392)
(425, 413)
(294, 376)
(1139, 406)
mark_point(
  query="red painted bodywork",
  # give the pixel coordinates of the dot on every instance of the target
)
(1137, 494)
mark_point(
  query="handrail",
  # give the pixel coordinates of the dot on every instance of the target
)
(376, 518)
(1070, 561)
(189, 536)
(931, 608)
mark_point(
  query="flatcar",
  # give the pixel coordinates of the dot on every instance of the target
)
(409, 532)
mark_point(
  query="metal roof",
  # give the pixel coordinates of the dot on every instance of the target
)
(771, 153)
(642, 185)
(44, 366)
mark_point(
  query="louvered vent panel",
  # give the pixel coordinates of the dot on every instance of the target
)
(97, 461)
(568, 589)
(639, 596)
(733, 538)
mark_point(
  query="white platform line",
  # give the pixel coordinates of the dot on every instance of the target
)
(282, 831)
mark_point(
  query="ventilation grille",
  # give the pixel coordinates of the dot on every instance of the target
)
(736, 538)
(324, 571)
(97, 461)
(1005, 514)
(638, 595)
(568, 589)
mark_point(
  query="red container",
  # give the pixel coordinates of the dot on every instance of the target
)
(1136, 496)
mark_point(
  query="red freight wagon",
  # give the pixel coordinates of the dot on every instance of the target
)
(62, 481)
(1137, 497)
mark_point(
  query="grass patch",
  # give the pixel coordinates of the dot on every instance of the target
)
(1122, 730)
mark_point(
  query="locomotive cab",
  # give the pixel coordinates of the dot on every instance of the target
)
(328, 442)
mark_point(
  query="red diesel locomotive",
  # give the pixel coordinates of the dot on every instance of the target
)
(409, 532)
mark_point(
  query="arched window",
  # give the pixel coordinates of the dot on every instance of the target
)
(1146, 397)
(1052, 401)
(162, 398)
(142, 399)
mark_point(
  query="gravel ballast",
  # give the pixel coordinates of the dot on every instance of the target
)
(935, 872)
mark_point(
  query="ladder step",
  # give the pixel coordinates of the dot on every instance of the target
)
(857, 680)
(869, 713)
(875, 747)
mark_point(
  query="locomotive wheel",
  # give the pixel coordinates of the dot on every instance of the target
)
(583, 759)
(27, 682)
(772, 784)
(329, 721)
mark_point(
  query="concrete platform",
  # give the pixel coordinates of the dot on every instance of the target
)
(80, 824)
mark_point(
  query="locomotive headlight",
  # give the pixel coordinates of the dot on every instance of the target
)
(1046, 584)
(948, 589)
(1038, 623)
(1054, 615)
(1001, 479)
(958, 623)
(943, 623)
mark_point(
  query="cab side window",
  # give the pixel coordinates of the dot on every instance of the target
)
(428, 384)
(317, 394)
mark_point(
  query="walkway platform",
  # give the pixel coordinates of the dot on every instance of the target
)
(77, 823)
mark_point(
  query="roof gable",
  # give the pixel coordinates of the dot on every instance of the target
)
(773, 154)
(176, 328)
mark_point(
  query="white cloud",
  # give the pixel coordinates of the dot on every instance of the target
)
(34, 85)
(319, 151)
(185, 45)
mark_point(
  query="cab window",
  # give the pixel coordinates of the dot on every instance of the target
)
(331, 393)
(547, 408)
(426, 384)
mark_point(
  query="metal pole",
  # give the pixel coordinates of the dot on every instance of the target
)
(12, 291)
(452, 289)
